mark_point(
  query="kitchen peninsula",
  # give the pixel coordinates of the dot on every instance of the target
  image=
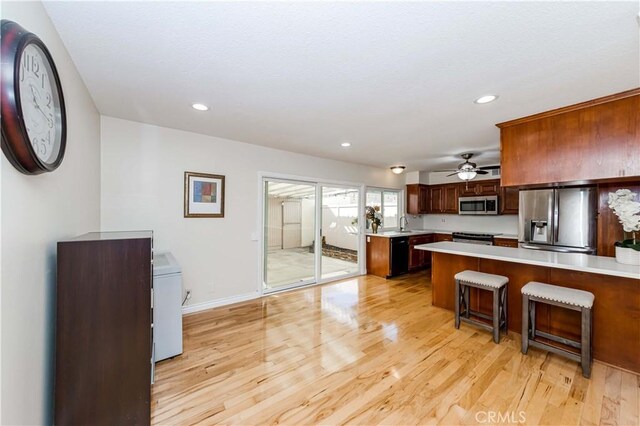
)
(616, 313)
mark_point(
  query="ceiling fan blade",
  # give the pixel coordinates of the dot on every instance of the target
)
(444, 171)
(489, 168)
(482, 172)
(452, 174)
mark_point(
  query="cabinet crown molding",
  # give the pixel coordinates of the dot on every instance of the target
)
(575, 107)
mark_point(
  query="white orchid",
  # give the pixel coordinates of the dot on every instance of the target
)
(623, 204)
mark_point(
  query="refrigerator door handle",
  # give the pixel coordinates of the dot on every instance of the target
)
(556, 215)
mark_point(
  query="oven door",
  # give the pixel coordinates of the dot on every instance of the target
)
(472, 205)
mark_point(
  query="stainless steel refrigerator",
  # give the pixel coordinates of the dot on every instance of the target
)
(562, 219)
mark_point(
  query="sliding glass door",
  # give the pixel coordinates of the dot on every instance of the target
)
(311, 232)
(340, 235)
(289, 233)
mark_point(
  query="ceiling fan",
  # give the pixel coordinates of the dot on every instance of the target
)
(468, 170)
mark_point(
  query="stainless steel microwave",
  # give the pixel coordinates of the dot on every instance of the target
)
(487, 204)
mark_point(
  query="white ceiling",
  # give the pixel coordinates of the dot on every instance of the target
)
(395, 79)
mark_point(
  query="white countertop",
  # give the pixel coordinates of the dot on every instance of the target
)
(572, 261)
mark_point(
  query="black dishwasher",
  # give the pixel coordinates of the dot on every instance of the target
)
(399, 255)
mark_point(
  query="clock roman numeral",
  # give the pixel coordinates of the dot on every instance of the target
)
(31, 64)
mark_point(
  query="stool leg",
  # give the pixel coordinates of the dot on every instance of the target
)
(525, 323)
(504, 307)
(585, 355)
(467, 304)
(457, 307)
(496, 315)
(532, 321)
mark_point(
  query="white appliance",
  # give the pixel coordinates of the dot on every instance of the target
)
(167, 306)
(483, 205)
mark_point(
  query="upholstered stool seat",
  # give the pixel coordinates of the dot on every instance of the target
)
(481, 278)
(497, 284)
(569, 298)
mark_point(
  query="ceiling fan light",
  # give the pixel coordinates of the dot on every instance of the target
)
(467, 175)
(397, 169)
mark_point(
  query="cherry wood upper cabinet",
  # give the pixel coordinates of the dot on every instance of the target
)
(417, 199)
(509, 200)
(450, 199)
(587, 142)
(436, 199)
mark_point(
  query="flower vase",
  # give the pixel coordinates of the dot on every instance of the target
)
(627, 256)
(374, 227)
(624, 253)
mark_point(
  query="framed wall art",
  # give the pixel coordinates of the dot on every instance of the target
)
(203, 195)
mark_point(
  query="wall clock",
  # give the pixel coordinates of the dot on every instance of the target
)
(33, 113)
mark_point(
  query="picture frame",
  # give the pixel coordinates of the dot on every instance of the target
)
(203, 195)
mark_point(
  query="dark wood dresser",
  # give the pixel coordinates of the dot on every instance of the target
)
(103, 361)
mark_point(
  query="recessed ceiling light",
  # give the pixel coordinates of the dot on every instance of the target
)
(397, 169)
(200, 107)
(345, 144)
(486, 99)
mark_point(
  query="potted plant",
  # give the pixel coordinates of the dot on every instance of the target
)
(375, 217)
(624, 205)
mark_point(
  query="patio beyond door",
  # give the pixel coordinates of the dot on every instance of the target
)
(311, 233)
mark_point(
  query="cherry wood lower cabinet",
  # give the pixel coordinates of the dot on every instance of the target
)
(616, 309)
(103, 329)
(505, 242)
(443, 237)
(378, 256)
(419, 259)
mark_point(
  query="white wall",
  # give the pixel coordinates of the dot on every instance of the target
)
(37, 211)
(338, 230)
(308, 221)
(142, 188)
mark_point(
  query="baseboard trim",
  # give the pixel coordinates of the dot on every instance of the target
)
(190, 309)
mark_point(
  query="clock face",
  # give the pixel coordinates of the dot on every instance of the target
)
(40, 104)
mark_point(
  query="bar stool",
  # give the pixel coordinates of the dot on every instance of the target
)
(569, 298)
(497, 284)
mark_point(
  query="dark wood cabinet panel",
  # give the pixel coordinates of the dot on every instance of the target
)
(589, 142)
(378, 256)
(417, 199)
(443, 237)
(413, 199)
(436, 199)
(489, 187)
(103, 329)
(509, 200)
(416, 258)
(469, 189)
(505, 242)
(423, 199)
(419, 259)
(450, 196)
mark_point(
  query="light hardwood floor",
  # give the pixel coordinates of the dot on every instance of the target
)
(372, 351)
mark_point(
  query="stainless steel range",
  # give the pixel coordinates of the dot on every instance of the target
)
(472, 238)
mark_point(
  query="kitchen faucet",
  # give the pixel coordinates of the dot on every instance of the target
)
(403, 222)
